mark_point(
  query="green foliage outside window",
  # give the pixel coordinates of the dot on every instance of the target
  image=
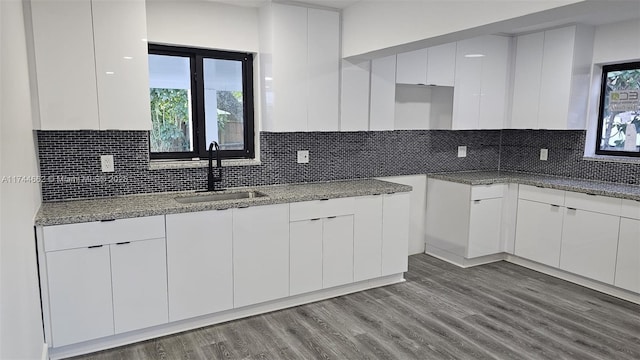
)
(615, 122)
(171, 122)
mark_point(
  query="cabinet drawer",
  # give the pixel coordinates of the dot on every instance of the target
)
(321, 208)
(60, 237)
(630, 209)
(543, 195)
(595, 203)
(479, 192)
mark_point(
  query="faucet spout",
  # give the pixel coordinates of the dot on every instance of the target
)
(211, 178)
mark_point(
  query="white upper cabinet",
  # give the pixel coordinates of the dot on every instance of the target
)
(65, 65)
(412, 67)
(481, 82)
(122, 68)
(383, 93)
(300, 50)
(430, 66)
(354, 103)
(551, 78)
(91, 64)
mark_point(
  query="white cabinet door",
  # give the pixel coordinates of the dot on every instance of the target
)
(290, 82)
(495, 77)
(555, 80)
(412, 67)
(65, 65)
(80, 294)
(139, 282)
(441, 65)
(589, 244)
(484, 227)
(467, 87)
(199, 263)
(539, 232)
(324, 64)
(354, 104)
(337, 251)
(305, 258)
(367, 238)
(628, 262)
(383, 93)
(260, 254)
(122, 70)
(526, 83)
(395, 233)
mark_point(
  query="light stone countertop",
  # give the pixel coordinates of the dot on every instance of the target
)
(121, 207)
(617, 190)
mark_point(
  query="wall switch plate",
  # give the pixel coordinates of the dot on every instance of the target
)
(106, 161)
(544, 154)
(303, 156)
(462, 151)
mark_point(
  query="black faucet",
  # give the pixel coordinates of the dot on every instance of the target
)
(211, 179)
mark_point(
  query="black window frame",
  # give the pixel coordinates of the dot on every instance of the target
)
(198, 123)
(603, 86)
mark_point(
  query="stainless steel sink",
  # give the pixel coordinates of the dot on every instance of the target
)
(219, 197)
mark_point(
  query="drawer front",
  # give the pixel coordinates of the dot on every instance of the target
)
(60, 237)
(321, 208)
(543, 195)
(480, 192)
(595, 203)
(631, 209)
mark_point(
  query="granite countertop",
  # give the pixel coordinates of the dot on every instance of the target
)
(623, 191)
(120, 207)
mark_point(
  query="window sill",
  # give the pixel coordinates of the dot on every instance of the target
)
(188, 164)
(617, 159)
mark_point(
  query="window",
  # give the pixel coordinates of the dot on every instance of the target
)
(619, 116)
(199, 96)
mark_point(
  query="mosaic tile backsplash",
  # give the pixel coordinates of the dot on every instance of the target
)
(70, 160)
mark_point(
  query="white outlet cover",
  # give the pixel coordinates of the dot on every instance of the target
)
(462, 151)
(303, 156)
(544, 154)
(106, 162)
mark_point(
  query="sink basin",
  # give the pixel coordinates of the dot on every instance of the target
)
(219, 197)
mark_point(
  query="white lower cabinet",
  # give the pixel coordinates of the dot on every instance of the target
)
(337, 251)
(367, 238)
(199, 263)
(539, 232)
(589, 244)
(484, 227)
(395, 233)
(80, 299)
(260, 254)
(628, 261)
(305, 256)
(139, 286)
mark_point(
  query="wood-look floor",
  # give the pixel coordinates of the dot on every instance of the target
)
(495, 311)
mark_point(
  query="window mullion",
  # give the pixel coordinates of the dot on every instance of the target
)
(199, 118)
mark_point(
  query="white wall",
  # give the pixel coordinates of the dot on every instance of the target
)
(20, 320)
(203, 24)
(617, 42)
(369, 26)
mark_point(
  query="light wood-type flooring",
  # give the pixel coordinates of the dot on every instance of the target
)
(494, 311)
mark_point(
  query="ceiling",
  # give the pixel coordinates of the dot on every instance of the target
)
(336, 4)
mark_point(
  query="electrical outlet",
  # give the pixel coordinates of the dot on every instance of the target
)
(106, 161)
(544, 154)
(303, 156)
(462, 151)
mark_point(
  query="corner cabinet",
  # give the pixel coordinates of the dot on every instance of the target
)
(481, 82)
(90, 62)
(300, 66)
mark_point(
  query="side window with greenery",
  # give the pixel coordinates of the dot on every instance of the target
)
(619, 115)
(199, 96)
